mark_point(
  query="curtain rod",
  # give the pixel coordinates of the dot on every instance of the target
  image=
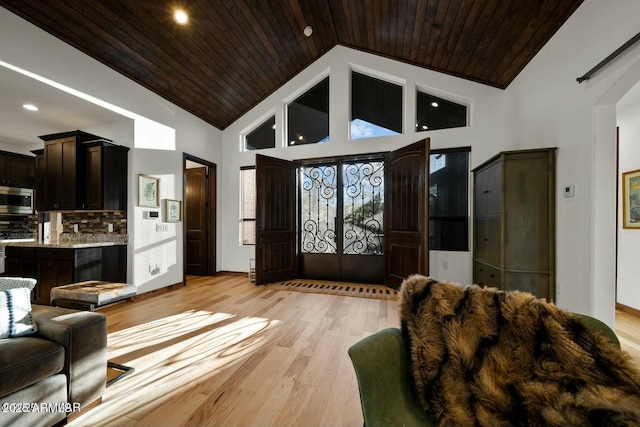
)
(608, 59)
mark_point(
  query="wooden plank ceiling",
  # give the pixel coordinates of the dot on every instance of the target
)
(234, 53)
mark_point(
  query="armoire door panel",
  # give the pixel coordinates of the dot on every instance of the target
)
(527, 214)
(514, 232)
(535, 283)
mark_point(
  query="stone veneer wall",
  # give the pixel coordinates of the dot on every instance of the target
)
(95, 222)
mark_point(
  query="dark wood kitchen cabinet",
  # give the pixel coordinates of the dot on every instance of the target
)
(54, 267)
(57, 266)
(40, 183)
(20, 261)
(62, 166)
(514, 222)
(16, 170)
(81, 171)
(105, 177)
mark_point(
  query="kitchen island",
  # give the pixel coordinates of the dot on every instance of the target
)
(64, 263)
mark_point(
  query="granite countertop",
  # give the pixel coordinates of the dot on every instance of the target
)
(74, 240)
(7, 241)
(34, 244)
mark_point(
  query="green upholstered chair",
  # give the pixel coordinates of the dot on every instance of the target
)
(387, 393)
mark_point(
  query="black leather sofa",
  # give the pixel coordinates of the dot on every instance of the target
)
(51, 375)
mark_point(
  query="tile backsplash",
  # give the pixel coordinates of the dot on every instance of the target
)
(18, 224)
(94, 222)
(88, 223)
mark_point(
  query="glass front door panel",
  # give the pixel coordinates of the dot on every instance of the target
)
(319, 209)
(363, 203)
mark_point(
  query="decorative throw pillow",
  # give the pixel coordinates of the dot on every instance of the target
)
(17, 282)
(15, 313)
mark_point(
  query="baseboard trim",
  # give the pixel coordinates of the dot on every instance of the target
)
(145, 295)
(234, 273)
(627, 309)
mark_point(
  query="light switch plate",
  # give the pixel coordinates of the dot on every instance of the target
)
(569, 191)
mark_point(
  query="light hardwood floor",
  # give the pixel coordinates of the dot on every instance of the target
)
(628, 332)
(222, 352)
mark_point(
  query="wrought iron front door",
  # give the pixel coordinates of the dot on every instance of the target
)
(342, 222)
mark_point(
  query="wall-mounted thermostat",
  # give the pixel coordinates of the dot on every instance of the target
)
(150, 214)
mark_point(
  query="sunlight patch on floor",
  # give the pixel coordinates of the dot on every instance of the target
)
(173, 354)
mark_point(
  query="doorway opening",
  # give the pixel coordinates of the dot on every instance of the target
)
(199, 219)
(390, 189)
(341, 230)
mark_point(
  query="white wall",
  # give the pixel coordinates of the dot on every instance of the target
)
(628, 118)
(485, 135)
(25, 46)
(547, 107)
(5, 146)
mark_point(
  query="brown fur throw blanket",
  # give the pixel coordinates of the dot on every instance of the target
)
(484, 357)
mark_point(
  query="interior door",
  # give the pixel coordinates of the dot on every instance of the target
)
(196, 221)
(276, 257)
(406, 213)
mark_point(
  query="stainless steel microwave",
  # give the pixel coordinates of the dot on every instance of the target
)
(16, 201)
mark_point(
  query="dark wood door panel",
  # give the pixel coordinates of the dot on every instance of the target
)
(276, 227)
(196, 256)
(401, 262)
(406, 212)
(196, 221)
(277, 260)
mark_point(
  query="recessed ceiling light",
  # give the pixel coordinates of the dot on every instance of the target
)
(301, 137)
(181, 16)
(434, 104)
(425, 127)
(30, 107)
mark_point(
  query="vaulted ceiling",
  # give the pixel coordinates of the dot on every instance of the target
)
(233, 53)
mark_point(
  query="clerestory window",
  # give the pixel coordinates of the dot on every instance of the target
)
(308, 116)
(376, 107)
(264, 136)
(437, 113)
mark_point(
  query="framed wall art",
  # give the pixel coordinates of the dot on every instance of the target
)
(173, 209)
(631, 199)
(148, 191)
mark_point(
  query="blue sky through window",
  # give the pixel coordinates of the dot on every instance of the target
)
(361, 129)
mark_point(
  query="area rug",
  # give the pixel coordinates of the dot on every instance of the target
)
(116, 372)
(335, 288)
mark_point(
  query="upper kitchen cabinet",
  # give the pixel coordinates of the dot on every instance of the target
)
(81, 171)
(62, 178)
(105, 177)
(40, 181)
(16, 170)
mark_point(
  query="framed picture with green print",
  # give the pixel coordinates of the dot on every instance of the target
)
(148, 191)
(631, 199)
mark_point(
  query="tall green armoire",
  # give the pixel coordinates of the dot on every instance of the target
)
(514, 222)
